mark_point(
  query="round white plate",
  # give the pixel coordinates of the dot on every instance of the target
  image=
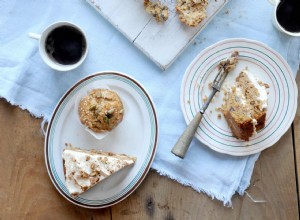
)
(268, 66)
(136, 136)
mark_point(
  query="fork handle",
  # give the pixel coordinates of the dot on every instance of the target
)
(183, 143)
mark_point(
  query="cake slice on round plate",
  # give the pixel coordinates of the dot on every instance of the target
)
(245, 105)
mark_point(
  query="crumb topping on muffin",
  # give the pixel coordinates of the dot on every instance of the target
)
(157, 10)
(191, 12)
(101, 110)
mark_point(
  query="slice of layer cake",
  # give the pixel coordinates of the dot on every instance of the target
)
(245, 105)
(85, 168)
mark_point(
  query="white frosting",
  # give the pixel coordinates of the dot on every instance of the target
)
(263, 95)
(241, 96)
(78, 163)
(254, 122)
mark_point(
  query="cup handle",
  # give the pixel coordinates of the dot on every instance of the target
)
(34, 36)
(274, 2)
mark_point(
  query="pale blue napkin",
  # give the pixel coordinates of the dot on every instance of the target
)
(27, 82)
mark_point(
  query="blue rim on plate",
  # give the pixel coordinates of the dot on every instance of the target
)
(143, 169)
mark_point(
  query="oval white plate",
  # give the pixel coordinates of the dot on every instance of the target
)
(268, 66)
(136, 135)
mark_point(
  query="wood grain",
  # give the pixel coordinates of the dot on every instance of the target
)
(153, 38)
(273, 180)
(296, 127)
(26, 191)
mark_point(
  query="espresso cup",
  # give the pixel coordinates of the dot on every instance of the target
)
(282, 19)
(63, 45)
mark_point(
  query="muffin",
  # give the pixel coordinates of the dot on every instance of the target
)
(157, 10)
(101, 110)
(191, 12)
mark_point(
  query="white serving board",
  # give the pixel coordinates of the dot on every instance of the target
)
(161, 42)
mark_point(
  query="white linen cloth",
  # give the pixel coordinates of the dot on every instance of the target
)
(26, 81)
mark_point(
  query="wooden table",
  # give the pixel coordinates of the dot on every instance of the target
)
(27, 192)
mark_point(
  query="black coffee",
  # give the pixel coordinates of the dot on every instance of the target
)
(65, 45)
(288, 15)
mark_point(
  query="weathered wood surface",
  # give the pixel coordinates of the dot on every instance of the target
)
(296, 127)
(153, 38)
(26, 191)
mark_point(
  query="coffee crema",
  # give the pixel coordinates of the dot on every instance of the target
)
(65, 45)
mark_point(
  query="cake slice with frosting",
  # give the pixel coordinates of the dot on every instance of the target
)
(245, 105)
(84, 169)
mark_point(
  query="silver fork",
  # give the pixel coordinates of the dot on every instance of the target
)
(184, 141)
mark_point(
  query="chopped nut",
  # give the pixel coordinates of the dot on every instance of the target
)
(105, 118)
(92, 166)
(84, 188)
(94, 173)
(105, 160)
(93, 108)
(87, 158)
(94, 180)
(111, 111)
(84, 175)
